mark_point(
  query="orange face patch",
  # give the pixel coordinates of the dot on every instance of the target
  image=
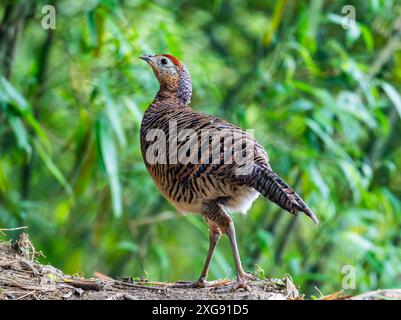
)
(173, 59)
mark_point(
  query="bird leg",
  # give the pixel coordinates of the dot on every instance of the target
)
(216, 213)
(242, 276)
(214, 236)
(219, 221)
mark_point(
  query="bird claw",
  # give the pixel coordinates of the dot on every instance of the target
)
(218, 286)
(250, 276)
(232, 287)
(201, 283)
(241, 283)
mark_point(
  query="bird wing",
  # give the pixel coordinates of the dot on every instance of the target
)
(261, 177)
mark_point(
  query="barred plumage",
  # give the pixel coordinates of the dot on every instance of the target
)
(197, 182)
(270, 185)
(182, 161)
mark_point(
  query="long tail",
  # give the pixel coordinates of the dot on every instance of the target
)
(275, 189)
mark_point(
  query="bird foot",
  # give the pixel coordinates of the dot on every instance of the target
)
(241, 283)
(232, 287)
(201, 283)
(250, 276)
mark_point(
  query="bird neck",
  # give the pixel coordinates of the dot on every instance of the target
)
(180, 89)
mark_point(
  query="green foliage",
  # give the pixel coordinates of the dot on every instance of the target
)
(324, 101)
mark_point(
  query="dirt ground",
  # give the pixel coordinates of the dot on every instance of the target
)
(22, 277)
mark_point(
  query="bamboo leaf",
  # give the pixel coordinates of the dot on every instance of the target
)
(54, 170)
(134, 110)
(20, 133)
(10, 95)
(328, 141)
(112, 112)
(275, 22)
(108, 154)
(393, 95)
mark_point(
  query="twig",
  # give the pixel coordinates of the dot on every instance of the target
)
(26, 294)
(85, 284)
(139, 286)
(28, 264)
(13, 229)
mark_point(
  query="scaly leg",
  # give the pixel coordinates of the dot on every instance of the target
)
(242, 276)
(217, 214)
(214, 236)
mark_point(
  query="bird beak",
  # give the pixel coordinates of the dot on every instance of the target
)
(146, 57)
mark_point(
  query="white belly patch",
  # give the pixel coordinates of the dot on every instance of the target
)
(242, 202)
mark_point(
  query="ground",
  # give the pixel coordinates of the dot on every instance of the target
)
(22, 277)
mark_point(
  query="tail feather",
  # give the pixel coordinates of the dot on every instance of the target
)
(271, 186)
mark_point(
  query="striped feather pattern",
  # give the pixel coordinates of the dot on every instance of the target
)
(271, 186)
(188, 186)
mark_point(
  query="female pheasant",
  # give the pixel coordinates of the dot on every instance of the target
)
(180, 147)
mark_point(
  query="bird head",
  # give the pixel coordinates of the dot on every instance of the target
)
(171, 74)
(164, 66)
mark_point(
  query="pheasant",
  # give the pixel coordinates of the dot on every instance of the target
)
(182, 163)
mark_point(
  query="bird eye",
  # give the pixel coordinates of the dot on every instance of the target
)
(163, 61)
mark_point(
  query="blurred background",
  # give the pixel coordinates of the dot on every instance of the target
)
(321, 91)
